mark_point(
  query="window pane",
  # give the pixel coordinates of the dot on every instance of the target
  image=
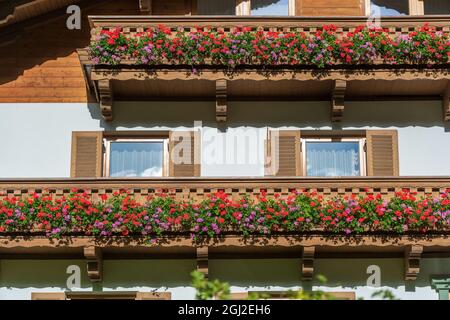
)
(437, 6)
(216, 7)
(136, 159)
(332, 159)
(269, 7)
(389, 7)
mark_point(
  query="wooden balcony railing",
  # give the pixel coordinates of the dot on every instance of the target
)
(180, 245)
(199, 188)
(134, 24)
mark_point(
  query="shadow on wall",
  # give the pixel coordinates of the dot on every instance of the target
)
(152, 273)
(395, 113)
(39, 273)
(158, 114)
(339, 272)
(256, 272)
(311, 115)
(116, 273)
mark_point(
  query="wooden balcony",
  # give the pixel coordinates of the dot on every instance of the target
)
(337, 84)
(307, 246)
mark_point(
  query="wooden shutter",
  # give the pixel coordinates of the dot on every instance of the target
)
(329, 7)
(184, 154)
(87, 154)
(283, 152)
(382, 153)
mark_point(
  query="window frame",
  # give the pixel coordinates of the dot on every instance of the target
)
(107, 153)
(362, 152)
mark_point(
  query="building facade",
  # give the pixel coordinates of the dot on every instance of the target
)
(328, 119)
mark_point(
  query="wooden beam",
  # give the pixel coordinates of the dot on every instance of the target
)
(105, 96)
(413, 254)
(145, 6)
(308, 263)
(446, 102)
(94, 261)
(337, 100)
(221, 100)
(202, 260)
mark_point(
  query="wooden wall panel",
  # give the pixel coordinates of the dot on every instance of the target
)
(42, 64)
(330, 7)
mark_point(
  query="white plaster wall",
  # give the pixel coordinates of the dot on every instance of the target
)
(19, 278)
(35, 139)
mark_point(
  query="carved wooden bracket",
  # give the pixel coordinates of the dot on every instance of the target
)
(221, 100)
(86, 64)
(145, 6)
(105, 96)
(308, 263)
(337, 100)
(446, 102)
(94, 259)
(202, 260)
(413, 254)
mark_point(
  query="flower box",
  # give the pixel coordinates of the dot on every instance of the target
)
(217, 215)
(245, 46)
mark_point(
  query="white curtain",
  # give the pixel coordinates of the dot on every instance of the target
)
(389, 7)
(216, 7)
(332, 159)
(136, 159)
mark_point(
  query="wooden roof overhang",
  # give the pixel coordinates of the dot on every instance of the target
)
(307, 246)
(335, 84)
(15, 11)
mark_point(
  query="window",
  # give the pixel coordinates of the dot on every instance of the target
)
(269, 7)
(216, 7)
(330, 158)
(389, 7)
(436, 7)
(136, 158)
